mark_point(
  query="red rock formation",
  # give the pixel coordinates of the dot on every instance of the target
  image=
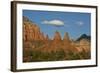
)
(66, 38)
(32, 32)
(47, 37)
(57, 36)
(67, 44)
(35, 39)
(57, 39)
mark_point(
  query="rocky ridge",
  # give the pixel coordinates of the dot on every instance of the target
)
(35, 39)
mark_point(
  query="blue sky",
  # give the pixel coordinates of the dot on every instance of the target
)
(74, 23)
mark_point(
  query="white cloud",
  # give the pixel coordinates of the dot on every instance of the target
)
(54, 22)
(80, 23)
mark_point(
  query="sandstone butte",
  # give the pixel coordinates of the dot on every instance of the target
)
(33, 36)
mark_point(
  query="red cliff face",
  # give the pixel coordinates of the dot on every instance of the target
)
(32, 32)
(31, 35)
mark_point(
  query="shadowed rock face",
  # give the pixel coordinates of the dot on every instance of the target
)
(66, 39)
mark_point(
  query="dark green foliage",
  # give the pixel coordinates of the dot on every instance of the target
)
(36, 56)
(73, 56)
(85, 55)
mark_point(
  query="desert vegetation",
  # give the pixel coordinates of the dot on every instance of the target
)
(36, 56)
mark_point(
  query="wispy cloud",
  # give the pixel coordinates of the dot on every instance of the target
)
(80, 23)
(54, 22)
